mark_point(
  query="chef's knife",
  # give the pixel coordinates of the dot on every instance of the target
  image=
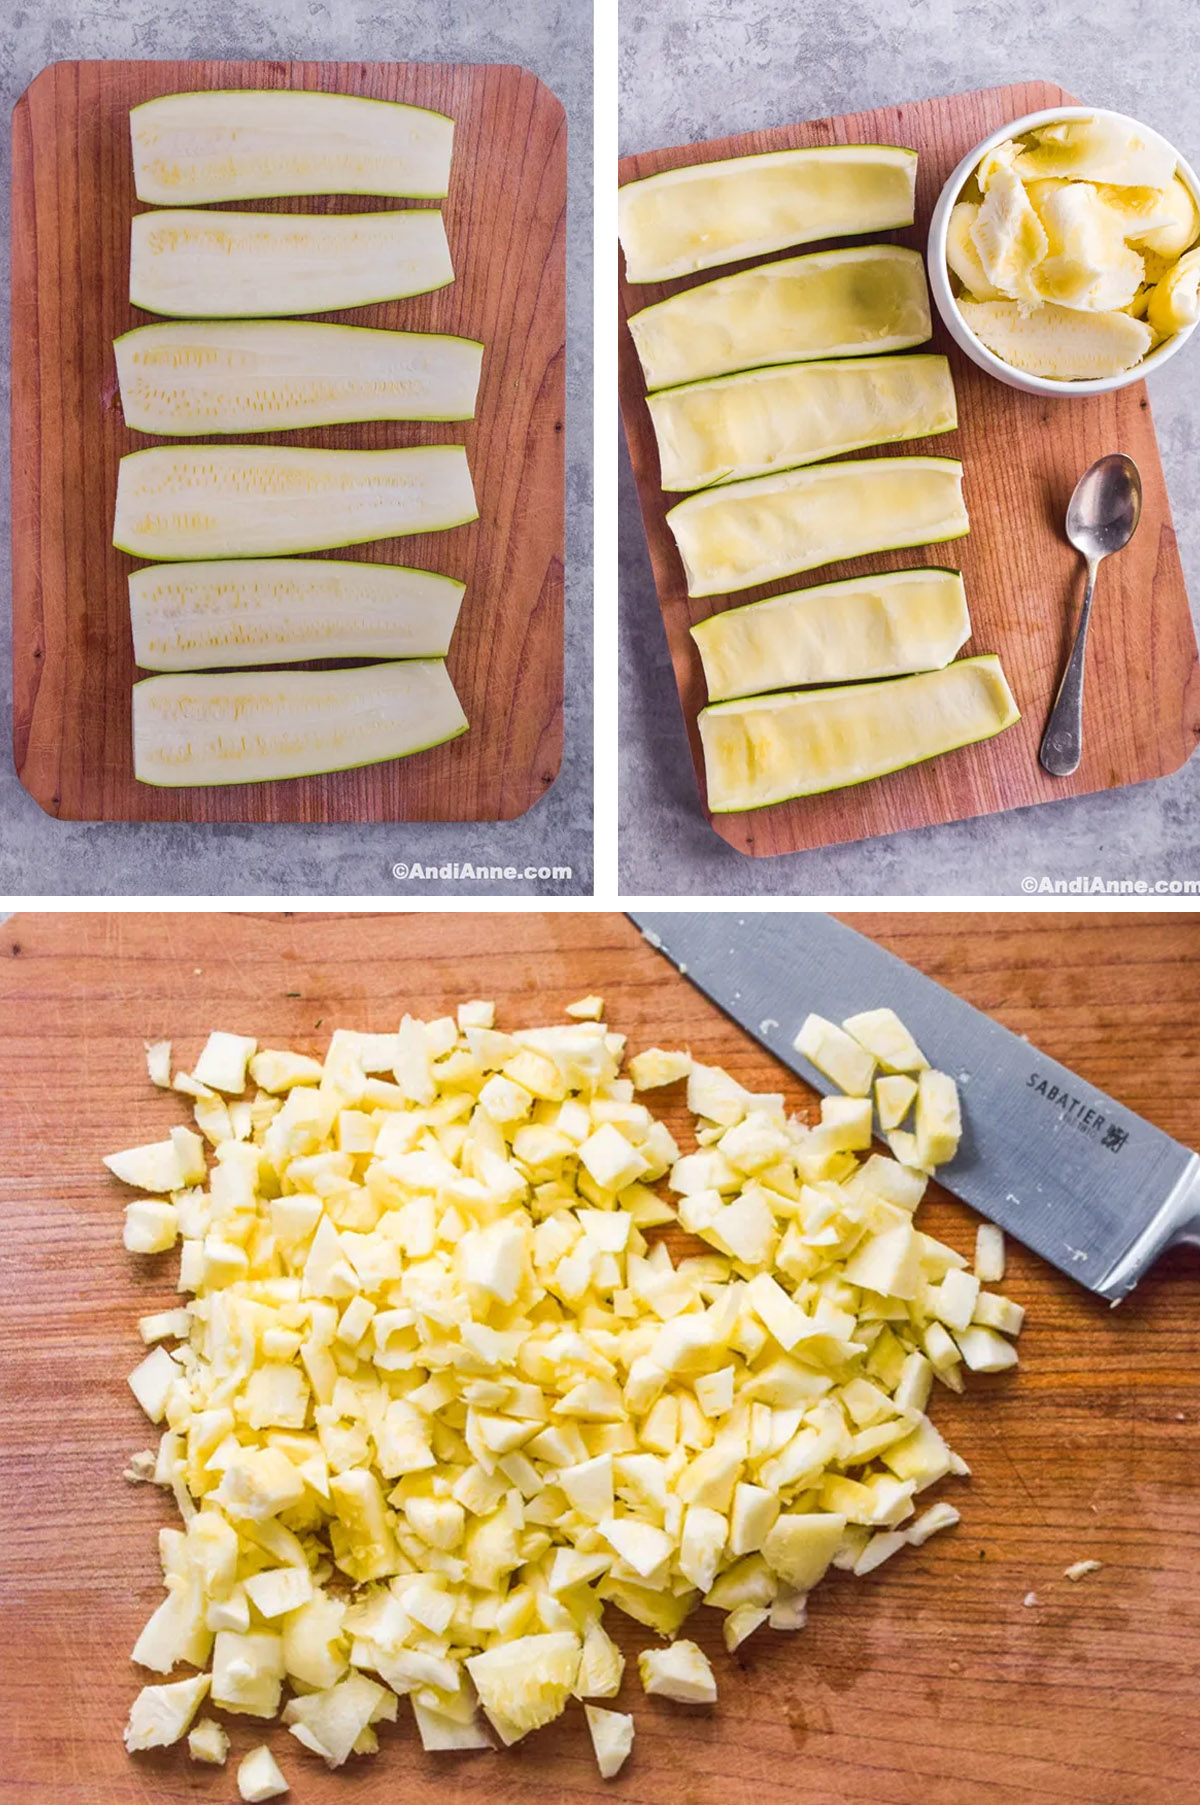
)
(1072, 1173)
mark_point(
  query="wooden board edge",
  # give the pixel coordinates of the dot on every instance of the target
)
(28, 614)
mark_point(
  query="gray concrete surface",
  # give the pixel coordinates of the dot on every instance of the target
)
(41, 857)
(693, 69)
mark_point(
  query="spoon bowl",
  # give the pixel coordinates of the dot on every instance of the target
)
(1102, 517)
(1103, 513)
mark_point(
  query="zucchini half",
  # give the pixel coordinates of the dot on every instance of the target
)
(246, 611)
(241, 144)
(254, 728)
(874, 626)
(768, 749)
(233, 501)
(741, 426)
(708, 213)
(256, 265)
(267, 375)
(746, 533)
(847, 303)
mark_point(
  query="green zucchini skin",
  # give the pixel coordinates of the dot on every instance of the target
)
(188, 264)
(230, 501)
(236, 613)
(215, 729)
(207, 376)
(402, 150)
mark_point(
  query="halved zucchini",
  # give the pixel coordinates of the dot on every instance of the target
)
(233, 501)
(846, 303)
(245, 144)
(768, 749)
(752, 532)
(707, 213)
(189, 617)
(266, 375)
(206, 729)
(740, 426)
(251, 265)
(873, 626)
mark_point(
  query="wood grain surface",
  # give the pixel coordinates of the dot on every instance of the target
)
(1022, 456)
(73, 654)
(919, 1685)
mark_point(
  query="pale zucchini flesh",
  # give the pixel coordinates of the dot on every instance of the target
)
(734, 427)
(204, 376)
(1062, 343)
(847, 303)
(233, 501)
(768, 749)
(874, 626)
(212, 265)
(773, 526)
(254, 611)
(248, 144)
(709, 213)
(260, 726)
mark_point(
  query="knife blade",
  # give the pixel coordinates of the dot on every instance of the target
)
(1070, 1171)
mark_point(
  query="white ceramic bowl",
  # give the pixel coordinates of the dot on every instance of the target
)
(947, 306)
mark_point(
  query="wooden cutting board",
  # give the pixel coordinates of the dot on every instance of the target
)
(917, 1685)
(1022, 455)
(72, 651)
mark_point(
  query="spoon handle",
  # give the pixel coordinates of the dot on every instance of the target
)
(1062, 742)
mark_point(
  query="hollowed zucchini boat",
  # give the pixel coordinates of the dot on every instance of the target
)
(206, 376)
(247, 611)
(845, 303)
(245, 144)
(254, 728)
(233, 501)
(752, 532)
(769, 749)
(252, 265)
(708, 213)
(873, 626)
(735, 427)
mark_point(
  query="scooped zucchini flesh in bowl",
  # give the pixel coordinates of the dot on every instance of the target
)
(1069, 248)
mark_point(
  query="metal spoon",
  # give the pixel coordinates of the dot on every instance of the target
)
(1102, 517)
